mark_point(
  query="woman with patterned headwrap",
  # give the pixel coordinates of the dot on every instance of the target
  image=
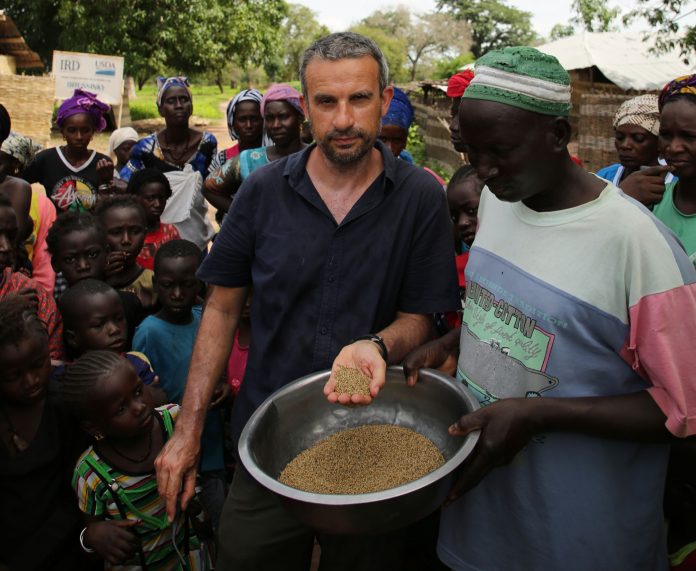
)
(71, 174)
(177, 145)
(245, 125)
(639, 172)
(677, 209)
(283, 117)
(184, 155)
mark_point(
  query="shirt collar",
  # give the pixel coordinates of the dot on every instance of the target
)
(296, 164)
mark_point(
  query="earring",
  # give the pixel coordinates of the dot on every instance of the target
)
(98, 436)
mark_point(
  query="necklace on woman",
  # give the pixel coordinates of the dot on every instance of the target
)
(176, 159)
(19, 443)
(138, 459)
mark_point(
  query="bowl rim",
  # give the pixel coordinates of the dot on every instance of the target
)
(291, 493)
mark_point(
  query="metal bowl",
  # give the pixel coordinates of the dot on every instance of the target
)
(297, 416)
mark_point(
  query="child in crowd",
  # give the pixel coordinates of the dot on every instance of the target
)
(38, 447)
(78, 248)
(115, 477)
(167, 338)
(124, 221)
(121, 143)
(17, 284)
(94, 320)
(152, 190)
(463, 196)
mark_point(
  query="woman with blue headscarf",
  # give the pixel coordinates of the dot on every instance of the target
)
(396, 123)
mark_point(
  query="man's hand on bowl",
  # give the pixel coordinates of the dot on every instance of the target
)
(367, 358)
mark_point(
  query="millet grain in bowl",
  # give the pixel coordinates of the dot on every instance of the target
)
(361, 460)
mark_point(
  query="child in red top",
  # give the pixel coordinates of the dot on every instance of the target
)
(152, 190)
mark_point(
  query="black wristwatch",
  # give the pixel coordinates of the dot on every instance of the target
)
(378, 341)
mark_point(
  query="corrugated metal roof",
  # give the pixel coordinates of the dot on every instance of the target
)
(623, 57)
(12, 44)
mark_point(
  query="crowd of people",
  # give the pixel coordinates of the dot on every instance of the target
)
(136, 342)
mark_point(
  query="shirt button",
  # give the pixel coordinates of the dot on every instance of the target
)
(331, 279)
(324, 330)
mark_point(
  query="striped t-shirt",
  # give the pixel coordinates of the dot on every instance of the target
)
(592, 301)
(96, 499)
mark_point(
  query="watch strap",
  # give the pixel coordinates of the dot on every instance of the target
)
(378, 341)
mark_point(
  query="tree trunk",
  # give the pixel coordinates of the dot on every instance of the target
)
(141, 82)
(218, 82)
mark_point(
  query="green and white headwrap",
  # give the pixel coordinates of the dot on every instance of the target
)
(522, 77)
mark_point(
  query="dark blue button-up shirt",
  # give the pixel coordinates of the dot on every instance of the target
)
(318, 284)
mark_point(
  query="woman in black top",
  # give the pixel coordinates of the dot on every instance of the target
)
(72, 173)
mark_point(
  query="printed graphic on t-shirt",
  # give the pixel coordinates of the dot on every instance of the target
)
(74, 193)
(504, 351)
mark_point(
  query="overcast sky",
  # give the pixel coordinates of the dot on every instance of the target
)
(340, 15)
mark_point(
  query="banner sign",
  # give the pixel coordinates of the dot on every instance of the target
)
(99, 74)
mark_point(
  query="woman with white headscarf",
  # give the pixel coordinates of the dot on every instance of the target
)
(245, 125)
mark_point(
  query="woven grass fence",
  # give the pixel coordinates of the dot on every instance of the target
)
(595, 130)
(29, 100)
(437, 137)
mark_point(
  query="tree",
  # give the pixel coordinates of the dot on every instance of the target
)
(493, 23)
(393, 48)
(424, 36)
(446, 68)
(594, 15)
(561, 31)
(300, 29)
(189, 36)
(663, 19)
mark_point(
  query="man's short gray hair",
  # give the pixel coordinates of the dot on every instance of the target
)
(344, 45)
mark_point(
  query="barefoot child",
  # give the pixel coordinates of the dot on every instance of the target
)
(151, 188)
(115, 479)
(124, 221)
(38, 447)
(167, 338)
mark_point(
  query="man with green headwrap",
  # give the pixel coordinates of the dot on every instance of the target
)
(577, 340)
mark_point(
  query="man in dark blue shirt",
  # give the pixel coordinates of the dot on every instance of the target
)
(339, 241)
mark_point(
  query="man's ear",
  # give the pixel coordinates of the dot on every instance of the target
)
(561, 132)
(387, 95)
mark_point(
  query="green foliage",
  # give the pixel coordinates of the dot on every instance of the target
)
(392, 47)
(594, 15)
(424, 36)
(300, 29)
(187, 36)
(561, 31)
(206, 102)
(493, 23)
(415, 145)
(663, 18)
(446, 68)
